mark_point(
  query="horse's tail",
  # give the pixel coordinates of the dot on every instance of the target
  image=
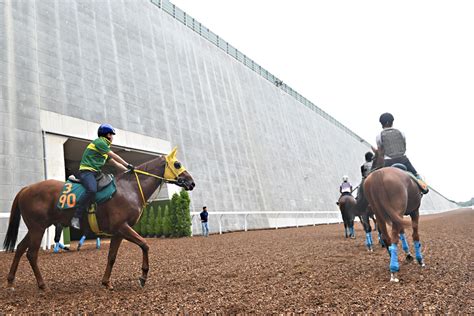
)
(12, 232)
(398, 220)
(390, 214)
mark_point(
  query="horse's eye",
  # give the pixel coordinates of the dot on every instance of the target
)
(177, 165)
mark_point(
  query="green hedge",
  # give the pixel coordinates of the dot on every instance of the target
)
(166, 218)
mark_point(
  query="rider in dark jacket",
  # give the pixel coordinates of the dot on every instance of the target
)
(367, 166)
(394, 144)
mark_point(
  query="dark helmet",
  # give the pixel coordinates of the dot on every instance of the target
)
(105, 129)
(369, 156)
(386, 118)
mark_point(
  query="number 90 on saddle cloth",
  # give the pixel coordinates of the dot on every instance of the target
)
(73, 191)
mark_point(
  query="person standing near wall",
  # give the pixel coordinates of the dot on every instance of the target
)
(204, 216)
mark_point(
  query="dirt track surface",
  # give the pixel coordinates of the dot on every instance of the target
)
(309, 269)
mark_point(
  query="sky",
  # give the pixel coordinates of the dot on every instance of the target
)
(359, 59)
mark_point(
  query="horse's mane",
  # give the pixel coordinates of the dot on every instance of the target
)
(146, 166)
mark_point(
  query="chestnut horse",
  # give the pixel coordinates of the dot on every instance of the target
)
(36, 203)
(392, 193)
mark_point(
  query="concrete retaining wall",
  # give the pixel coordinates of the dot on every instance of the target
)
(249, 145)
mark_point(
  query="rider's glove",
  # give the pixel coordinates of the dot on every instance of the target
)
(130, 167)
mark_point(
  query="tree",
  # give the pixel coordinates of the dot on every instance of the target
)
(186, 213)
(150, 227)
(166, 222)
(174, 218)
(143, 222)
(137, 227)
(158, 222)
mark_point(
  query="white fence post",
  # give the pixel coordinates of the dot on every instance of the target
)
(220, 224)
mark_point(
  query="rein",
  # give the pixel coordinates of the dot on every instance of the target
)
(164, 180)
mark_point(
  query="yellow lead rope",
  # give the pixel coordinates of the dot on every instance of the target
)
(141, 190)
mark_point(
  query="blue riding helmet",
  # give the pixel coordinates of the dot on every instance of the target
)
(105, 129)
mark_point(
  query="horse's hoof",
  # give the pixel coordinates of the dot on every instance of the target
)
(42, 287)
(393, 278)
(108, 285)
(409, 258)
(141, 282)
(353, 237)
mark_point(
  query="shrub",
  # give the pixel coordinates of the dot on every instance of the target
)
(137, 227)
(158, 222)
(174, 218)
(143, 222)
(180, 218)
(150, 224)
(184, 214)
(166, 222)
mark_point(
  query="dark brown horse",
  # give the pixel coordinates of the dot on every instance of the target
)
(36, 203)
(392, 193)
(347, 204)
(350, 208)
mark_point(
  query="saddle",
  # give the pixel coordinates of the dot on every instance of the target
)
(421, 184)
(102, 179)
(73, 191)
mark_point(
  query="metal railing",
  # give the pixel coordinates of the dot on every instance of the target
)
(199, 28)
(334, 215)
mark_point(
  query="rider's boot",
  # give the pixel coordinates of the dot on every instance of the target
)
(75, 223)
(76, 220)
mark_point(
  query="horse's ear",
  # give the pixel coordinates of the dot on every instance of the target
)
(172, 154)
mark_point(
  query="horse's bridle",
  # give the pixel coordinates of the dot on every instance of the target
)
(176, 173)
